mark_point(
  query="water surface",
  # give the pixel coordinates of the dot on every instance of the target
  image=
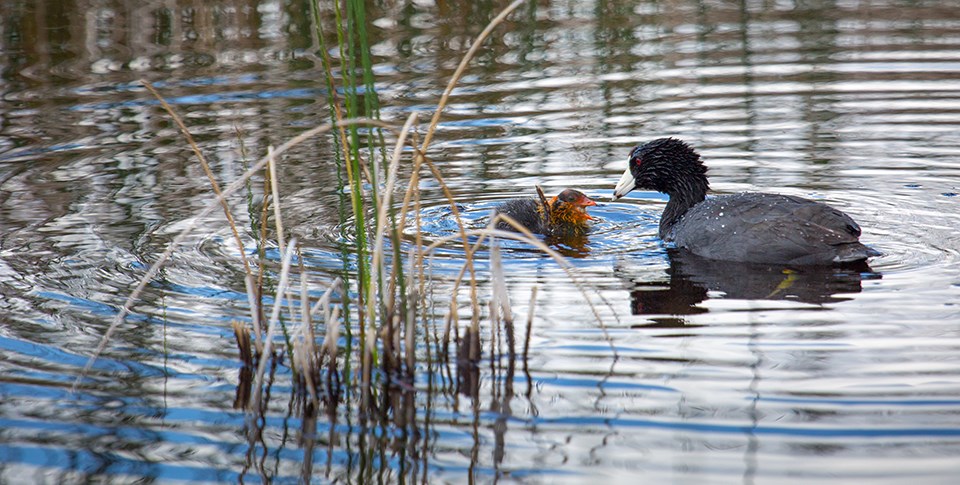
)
(699, 372)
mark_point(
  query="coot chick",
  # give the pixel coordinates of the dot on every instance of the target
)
(566, 215)
(747, 227)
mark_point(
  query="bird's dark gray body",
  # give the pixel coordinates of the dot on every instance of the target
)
(768, 228)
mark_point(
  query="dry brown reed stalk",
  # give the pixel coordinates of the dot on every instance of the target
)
(533, 302)
(385, 200)
(275, 194)
(242, 334)
(412, 194)
(331, 315)
(415, 255)
(428, 138)
(303, 356)
(501, 295)
(410, 332)
(258, 315)
(274, 321)
(546, 206)
(416, 261)
(262, 245)
(277, 213)
(499, 306)
(248, 274)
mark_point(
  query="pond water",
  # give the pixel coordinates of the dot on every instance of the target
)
(699, 372)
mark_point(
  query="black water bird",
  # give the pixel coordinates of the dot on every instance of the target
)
(746, 227)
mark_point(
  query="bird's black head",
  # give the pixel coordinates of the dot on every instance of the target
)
(666, 165)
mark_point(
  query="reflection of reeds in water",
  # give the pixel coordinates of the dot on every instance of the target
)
(371, 374)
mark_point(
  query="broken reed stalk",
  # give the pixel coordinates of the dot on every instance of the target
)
(307, 342)
(412, 195)
(274, 322)
(546, 206)
(331, 316)
(500, 293)
(328, 350)
(302, 358)
(242, 334)
(410, 332)
(533, 303)
(498, 306)
(307, 359)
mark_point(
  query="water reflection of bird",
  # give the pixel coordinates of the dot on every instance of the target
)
(748, 227)
(693, 279)
(564, 215)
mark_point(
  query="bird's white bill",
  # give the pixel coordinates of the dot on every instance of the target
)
(625, 185)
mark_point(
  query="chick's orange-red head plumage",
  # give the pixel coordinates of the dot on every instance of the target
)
(570, 207)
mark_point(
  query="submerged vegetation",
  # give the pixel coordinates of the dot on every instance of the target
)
(361, 347)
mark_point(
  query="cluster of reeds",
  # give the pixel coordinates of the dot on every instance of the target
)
(359, 341)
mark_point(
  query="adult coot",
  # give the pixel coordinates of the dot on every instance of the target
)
(748, 227)
(564, 215)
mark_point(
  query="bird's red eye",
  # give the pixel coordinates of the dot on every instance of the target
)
(635, 156)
